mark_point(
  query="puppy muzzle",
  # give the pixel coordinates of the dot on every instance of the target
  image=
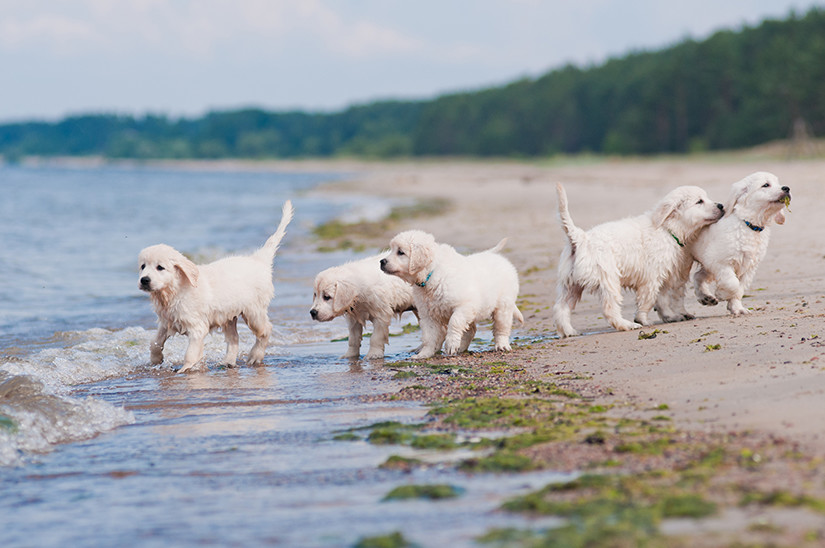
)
(383, 265)
(314, 314)
(146, 283)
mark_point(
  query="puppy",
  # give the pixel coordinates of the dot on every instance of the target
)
(638, 253)
(730, 251)
(362, 293)
(452, 291)
(193, 299)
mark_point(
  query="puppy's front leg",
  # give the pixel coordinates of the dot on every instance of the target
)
(431, 337)
(729, 289)
(156, 347)
(194, 352)
(230, 333)
(458, 325)
(380, 337)
(354, 339)
(701, 287)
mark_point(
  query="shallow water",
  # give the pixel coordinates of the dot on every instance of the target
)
(98, 448)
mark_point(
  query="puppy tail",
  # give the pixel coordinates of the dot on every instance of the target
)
(517, 316)
(573, 232)
(268, 250)
(498, 247)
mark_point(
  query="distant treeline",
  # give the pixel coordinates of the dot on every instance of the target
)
(735, 89)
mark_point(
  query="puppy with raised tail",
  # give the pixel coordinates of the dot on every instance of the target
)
(730, 251)
(361, 292)
(639, 253)
(452, 291)
(193, 299)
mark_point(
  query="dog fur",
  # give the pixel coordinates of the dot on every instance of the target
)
(452, 291)
(361, 292)
(639, 253)
(730, 251)
(194, 299)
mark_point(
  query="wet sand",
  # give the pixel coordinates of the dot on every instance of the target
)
(767, 374)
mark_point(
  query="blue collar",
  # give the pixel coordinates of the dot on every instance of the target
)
(754, 227)
(424, 283)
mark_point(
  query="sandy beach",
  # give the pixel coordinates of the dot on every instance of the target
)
(768, 374)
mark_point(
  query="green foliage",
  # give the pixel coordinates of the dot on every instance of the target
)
(392, 540)
(734, 89)
(430, 492)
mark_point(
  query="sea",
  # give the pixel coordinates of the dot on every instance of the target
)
(100, 448)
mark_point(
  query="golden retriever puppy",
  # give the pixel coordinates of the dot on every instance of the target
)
(452, 291)
(639, 253)
(361, 292)
(194, 299)
(730, 251)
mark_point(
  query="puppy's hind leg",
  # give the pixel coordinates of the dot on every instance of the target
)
(502, 326)
(230, 333)
(701, 287)
(458, 325)
(260, 325)
(645, 299)
(567, 298)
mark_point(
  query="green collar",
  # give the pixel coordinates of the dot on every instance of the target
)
(677, 239)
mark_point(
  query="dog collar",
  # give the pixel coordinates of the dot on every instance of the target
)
(754, 227)
(427, 279)
(677, 240)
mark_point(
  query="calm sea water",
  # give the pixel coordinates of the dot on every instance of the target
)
(98, 448)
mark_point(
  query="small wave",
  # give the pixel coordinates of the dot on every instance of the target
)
(32, 420)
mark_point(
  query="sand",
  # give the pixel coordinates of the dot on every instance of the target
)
(762, 373)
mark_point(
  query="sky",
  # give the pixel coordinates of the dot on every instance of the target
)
(186, 57)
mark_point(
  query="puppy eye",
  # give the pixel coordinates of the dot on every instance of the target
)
(766, 185)
(400, 252)
(160, 268)
(327, 297)
(701, 201)
(143, 266)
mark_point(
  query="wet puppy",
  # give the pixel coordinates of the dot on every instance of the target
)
(638, 253)
(194, 299)
(730, 251)
(452, 291)
(361, 292)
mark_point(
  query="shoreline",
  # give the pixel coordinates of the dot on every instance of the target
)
(751, 388)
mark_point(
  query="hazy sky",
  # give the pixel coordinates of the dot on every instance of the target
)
(184, 57)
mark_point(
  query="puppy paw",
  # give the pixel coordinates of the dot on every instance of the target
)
(738, 310)
(424, 354)
(374, 356)
(708, 300)
(627, 326)
(503, 347)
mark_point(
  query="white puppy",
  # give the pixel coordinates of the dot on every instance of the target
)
(194, 299)
(360, 291)
(452, 291)
(730, 251)
(638, 253)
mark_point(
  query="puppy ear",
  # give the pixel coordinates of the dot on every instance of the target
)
(737, 192)
(661, 212)
(779, 218)
(345, 295)
(420, 257)
(188, 269)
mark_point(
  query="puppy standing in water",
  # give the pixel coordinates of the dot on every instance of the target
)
(360, 291)
(730, 251)
(639, 253)
(194, 299)
(452, 291)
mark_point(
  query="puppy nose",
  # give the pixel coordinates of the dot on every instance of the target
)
(721, 207)
(313, 313)
(383, 262)
(145, 280)
(786, 188)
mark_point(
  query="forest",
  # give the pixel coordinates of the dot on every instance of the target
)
(734, 89)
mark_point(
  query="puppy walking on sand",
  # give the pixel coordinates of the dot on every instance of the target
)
(452, 292)
(194, 299)
(639, 253)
